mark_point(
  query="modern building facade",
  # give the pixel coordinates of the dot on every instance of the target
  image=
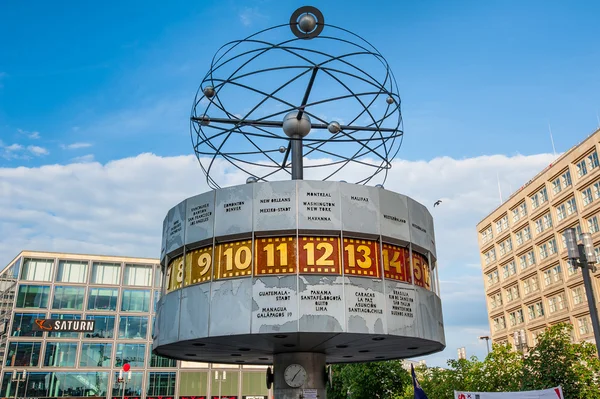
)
(528, 282)
(120, 294)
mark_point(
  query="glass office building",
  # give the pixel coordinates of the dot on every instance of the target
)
(120, 294)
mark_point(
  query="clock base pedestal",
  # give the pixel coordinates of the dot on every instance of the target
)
(314, 385)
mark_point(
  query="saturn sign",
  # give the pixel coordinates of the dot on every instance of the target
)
(60, 325)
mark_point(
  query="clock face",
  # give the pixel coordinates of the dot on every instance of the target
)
(295, 375)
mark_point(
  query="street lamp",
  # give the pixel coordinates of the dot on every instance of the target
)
(222, 378)
(17, 378)
(487, 342)
(121, 380)
(520, 341)
(583, 256)
(462, 353)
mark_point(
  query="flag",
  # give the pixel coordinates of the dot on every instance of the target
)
(419, 393)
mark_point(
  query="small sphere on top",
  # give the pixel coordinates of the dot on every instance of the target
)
(307, 23)
(209, 91)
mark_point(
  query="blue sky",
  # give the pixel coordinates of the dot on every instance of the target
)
(122, 76)
(86, 90)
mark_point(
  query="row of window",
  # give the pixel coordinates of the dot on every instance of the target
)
(91, 354)
(72, 298)
(129, 327)
(584, 325)
(76, 384)
(158, 384)
(546, 249)
(530, 285)
(102, 272)
(540, 197)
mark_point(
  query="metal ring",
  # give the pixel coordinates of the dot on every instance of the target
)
(307, 10)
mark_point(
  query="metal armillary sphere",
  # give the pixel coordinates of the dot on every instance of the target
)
(273, 105)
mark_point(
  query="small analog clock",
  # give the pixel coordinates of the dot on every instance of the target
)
(295, 375)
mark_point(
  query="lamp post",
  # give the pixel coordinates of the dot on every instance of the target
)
(220, 378)
(462, 353)
(487, 342)
(17, 378)
(520, 341)
(583, 256)
(121, 380)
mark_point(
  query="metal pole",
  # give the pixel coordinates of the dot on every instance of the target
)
(589, 292)
(17, 380)
(487, 343)
(297, 167)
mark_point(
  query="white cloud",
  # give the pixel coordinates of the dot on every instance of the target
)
(83, 158)
(14, 147)
(249, 15)
(37, 150)
(31, 135)
(118, 208)
(75, 146)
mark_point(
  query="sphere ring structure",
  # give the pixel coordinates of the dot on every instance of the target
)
(332, 78)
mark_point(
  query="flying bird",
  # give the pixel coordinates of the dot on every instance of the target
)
(437, 203)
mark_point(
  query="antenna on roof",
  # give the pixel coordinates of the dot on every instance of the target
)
(499, 190)
(552, 140)
(598, 119)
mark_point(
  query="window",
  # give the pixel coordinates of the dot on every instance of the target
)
(553, 275)
(592, 161)
(584, 325)
(95, 355)
(105, 326)
(561, 212)
(134, 354)
(159, 361)
(33, 296)
(133, 327)
(158, 275)
(543, 195)
(156, 299)
(519, 237)
(543, 251)
(516, 318)
(139, 275)
(526, 287)
(547, 220)
(530, 258)
(493, 277)
(596, 188)
(512, 293)
(552, 248)
(37, 270)
(102, 299)
(539, 309)
(535, 310)
(499, 323)
(62, 316)
(490, 256)
(25, 354)
(535, 202)
(516, 216)
(571, 206)
(530, 285)
(578, 295)
(72, 271)
(539, 226)
(106, 273)
(68, 297)
(60, 354)
(486, 235)
(135, 301)
(556, 303)
(132, 388)
(527, 233)
(161, 384)
(556, 186)
(581, 168)
(23, 325)
(570, 268)
(593, 224)
(505, 246)
(586, 196)
(565, 178)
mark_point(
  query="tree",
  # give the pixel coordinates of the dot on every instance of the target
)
(380, 380)
(555, 360)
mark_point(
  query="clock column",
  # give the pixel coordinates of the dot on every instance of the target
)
(312, 363)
